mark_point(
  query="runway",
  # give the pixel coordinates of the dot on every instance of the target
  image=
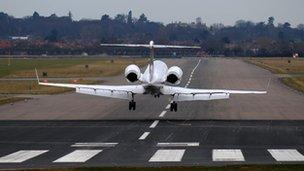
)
(281, 102)
(44, 144)
(72, 130)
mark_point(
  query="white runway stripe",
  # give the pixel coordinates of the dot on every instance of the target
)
(286, 155)
(162, 114)
(178, 144)
(94, 144)
(167, 156)
(154, 124)
(227, 155)
(168, 106)
(78, 156)
(21, 156)
(191, 75)
(144, 136)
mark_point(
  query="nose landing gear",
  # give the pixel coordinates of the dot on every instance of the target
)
(156, 95)
(173, 107)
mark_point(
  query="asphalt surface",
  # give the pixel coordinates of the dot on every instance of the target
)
(281, 102)
(72, 130)
(57, 139)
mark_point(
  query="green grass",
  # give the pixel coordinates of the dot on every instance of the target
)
(223, 168)
(280, 65)
(60, 68)
(30, 64)
(31, 87)
(283, 66)
(5, 100)
(295, 83)
(66, 67)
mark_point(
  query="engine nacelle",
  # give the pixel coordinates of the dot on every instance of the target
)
(174, 75)
(132, 73)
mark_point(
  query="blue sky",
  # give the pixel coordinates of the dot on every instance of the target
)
(166, 11)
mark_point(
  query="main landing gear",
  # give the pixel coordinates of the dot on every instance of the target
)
(173, 107)
(132, 105)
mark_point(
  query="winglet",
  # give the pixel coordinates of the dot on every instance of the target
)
(37, 76)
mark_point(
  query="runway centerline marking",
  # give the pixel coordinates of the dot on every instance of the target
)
(78, 156)
(168, 107)
(178, 144)
(144, 136)
(172, 155)
(227, 155)
(286, 155)
(154, 124)
(162, 114)
(94, 144)
(191, 75)
(21, 156)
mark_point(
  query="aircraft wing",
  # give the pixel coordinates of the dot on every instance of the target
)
(118, 92)
(187, 94)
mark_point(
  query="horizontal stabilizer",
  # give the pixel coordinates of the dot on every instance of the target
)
(149, 46)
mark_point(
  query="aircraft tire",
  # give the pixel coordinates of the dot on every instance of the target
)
(175, 107)
(134, 105)
(130, 106)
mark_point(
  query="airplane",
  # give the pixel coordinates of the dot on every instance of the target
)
(156, 80)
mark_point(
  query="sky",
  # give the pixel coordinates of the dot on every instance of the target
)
(166, 11)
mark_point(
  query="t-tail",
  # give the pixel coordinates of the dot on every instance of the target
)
(152, 47)
(151, 63)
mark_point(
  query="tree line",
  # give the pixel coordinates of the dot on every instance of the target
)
(244, 38)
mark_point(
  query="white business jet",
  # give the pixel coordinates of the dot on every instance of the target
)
(152, 81)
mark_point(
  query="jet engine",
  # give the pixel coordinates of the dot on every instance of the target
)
(132, 73)
(174, 75)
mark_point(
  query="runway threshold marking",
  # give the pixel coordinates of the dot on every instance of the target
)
(169, 155)
(78, 156)
(144, 136)
(286, 155)
(154, 124)
(21, 156)
(227, 155)
(94, 144)
(178, 144)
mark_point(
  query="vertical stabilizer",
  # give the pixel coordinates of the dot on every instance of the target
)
(151, 65)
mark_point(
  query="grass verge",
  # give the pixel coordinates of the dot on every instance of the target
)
(5, 100)
(60, 68)
(31, 87)
(280, 65)
(67, 67)
(283, 66)
(295, 83)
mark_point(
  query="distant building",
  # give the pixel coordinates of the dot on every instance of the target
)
(199, 20)
(19, 37)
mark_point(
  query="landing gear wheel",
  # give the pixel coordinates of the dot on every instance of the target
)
(173, 107)
(132, 105)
